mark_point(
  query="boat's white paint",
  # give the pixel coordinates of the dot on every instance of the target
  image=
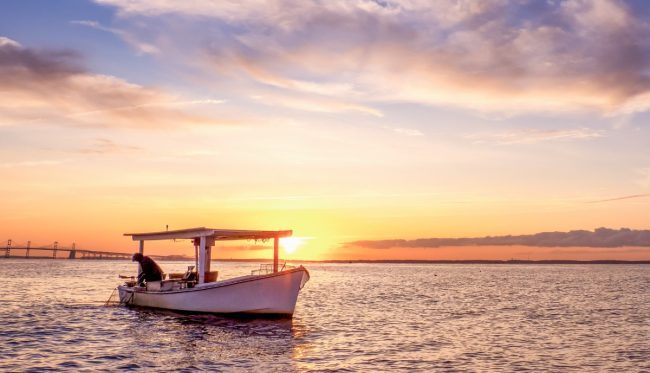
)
(274, 293)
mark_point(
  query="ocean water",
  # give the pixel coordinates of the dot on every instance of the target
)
(356, 317)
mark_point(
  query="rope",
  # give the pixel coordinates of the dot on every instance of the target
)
(108, 301)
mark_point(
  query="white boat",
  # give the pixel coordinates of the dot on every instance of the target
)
(271, 290)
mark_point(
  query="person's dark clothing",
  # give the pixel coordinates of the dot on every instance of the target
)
(150, 270)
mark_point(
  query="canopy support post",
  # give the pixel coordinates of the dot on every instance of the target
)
(196, 256)
(202, 258)
(141, 251)
(208, 257)
(276, 240)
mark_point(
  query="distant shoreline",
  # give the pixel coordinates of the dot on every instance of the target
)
(472, 261)
(387, 261)
(511, 261)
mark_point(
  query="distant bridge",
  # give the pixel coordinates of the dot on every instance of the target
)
(26, 250)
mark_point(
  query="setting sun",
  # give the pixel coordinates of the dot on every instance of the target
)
(291, 244)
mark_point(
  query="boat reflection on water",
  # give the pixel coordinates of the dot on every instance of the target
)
(211, 341)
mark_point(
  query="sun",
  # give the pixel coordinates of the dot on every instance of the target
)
(291, 244)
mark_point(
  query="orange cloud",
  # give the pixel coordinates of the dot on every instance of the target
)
(530, 136)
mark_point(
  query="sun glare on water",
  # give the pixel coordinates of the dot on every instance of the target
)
(291, 244)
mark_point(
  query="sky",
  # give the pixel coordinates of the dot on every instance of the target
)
(342, 120)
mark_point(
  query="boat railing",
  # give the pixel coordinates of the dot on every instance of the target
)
(267, 268)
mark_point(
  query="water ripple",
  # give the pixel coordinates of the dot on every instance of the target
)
(348, 318)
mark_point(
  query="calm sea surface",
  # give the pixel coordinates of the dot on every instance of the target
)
(357, 317)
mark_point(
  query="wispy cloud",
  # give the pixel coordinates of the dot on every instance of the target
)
(138, 45)
(316, 104)
(644, 177)
(631, 196)
(407, 131)
(131, 108)
(529, 136)
(107, 146)
(36, 163)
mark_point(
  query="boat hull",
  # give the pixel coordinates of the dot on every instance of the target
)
(271, 294)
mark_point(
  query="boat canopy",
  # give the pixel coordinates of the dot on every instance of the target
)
(213, 233)
(204, 238)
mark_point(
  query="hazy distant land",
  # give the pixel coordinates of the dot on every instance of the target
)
(600, 237)
(443, 261)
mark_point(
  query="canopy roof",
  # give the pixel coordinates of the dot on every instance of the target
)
(216, 234)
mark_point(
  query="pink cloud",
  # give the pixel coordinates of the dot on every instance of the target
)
(488, 56)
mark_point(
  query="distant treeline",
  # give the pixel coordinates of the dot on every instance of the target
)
(600, 237)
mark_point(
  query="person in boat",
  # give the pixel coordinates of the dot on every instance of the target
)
(150, 269)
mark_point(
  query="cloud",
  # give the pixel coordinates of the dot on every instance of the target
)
(38, 163)
(107, 146)
(144, 48)
(408, 131)
(529, 136)
(52, 87)
(601, 237)
(632, 196)
(492, 55)
(644, 177)
(315, 104)
(6, 42)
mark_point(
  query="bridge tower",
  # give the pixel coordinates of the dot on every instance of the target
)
(29, 244)
(73, 252)
(56, 246)
(8, 249)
